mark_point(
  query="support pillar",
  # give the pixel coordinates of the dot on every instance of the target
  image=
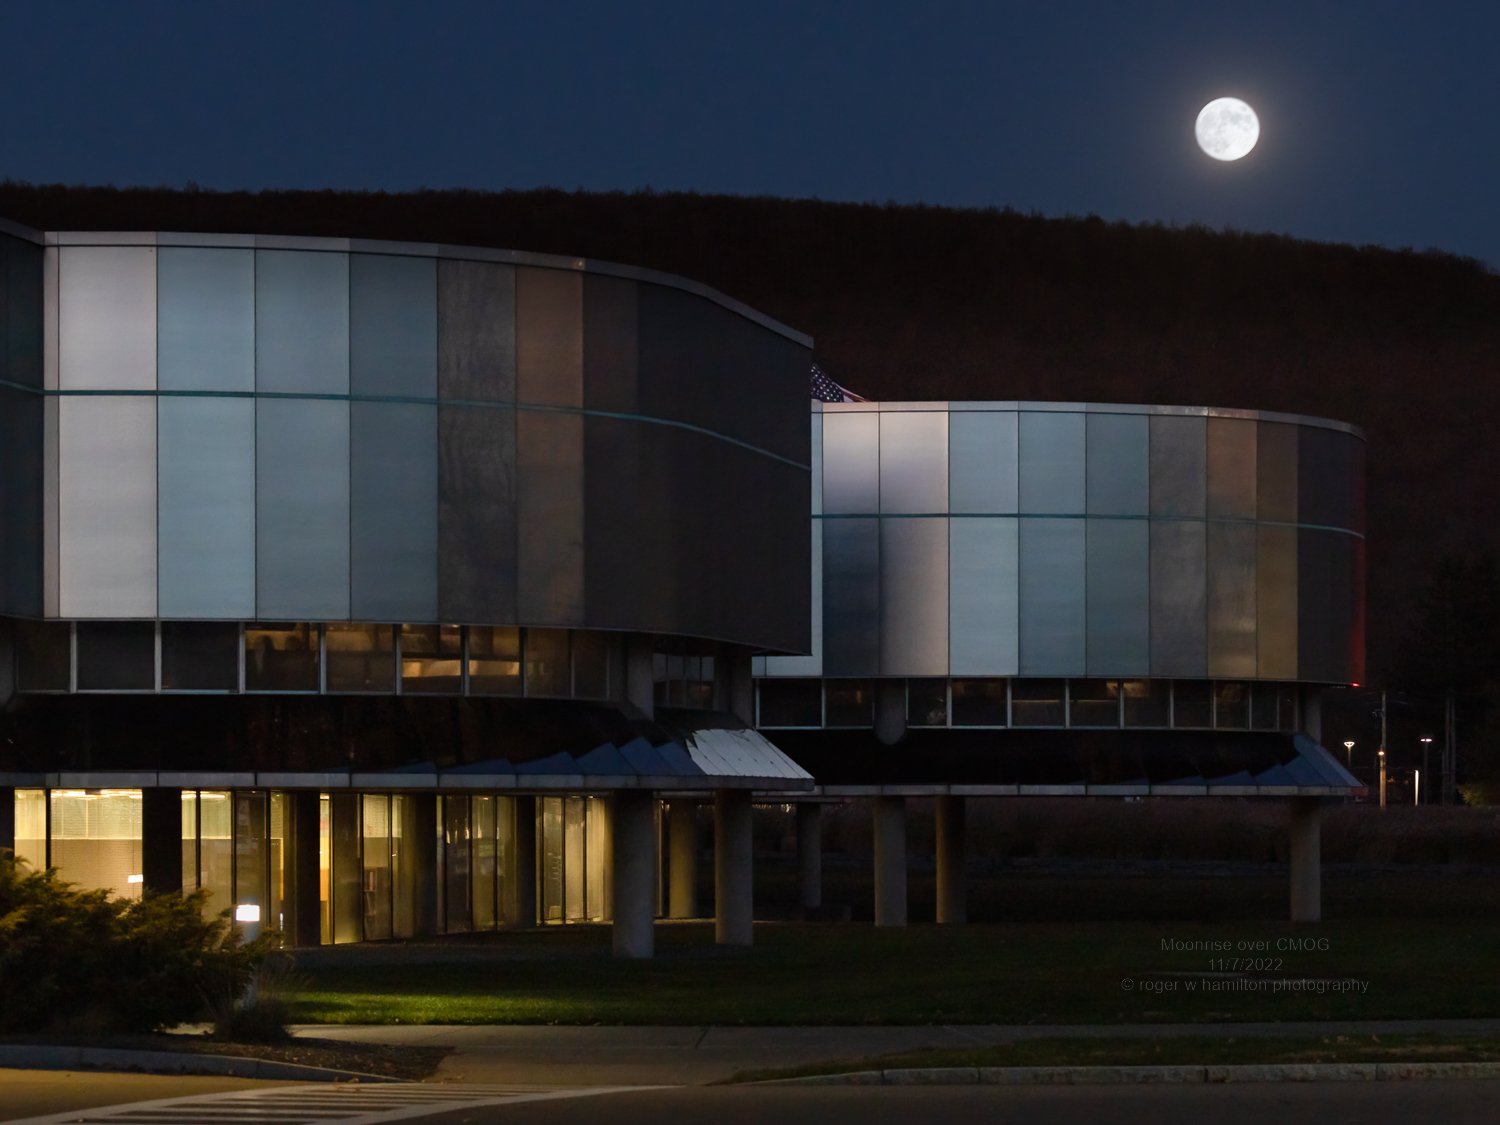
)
(161, 841)
(810, 855)
(633, 888)
(1312, 713)
(682, 858)
(523, 876)
(1305, 838)
(304, 897)
(421, 835)
(640, 674)
(733, 868)
(889, 816)
(952, 892)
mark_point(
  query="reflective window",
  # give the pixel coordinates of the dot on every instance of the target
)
(494, 660)
(281, 657)
(1148, 703)
(979, 703)
(926, 703)
(791, 703)
(200, 656)
(361, 658)
(1192, 703)
(1263, 707)
(1093, 703)
(431, 659)
(913, 461)
(45, 655)
(1036, 703)
(547, 662)
(850, 703)
(116, 656)
(1232, 705)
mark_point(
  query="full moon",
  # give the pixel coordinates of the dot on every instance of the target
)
(1227, 128)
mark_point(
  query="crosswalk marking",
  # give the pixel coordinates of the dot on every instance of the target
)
(346, 1104)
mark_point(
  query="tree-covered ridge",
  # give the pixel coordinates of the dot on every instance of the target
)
(912, 302)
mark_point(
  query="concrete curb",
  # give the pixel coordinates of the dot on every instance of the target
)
(1135, 1075)
(27, 1057)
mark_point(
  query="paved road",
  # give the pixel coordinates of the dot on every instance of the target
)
(693, 1056)
(33, 1093)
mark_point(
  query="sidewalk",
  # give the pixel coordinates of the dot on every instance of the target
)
(585, 1056)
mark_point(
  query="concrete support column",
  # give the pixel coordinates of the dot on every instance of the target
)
(523, 875)
(889, 816)
(633, 887)
(1312, 713)
(952, 893)
(7, 819)
(810, 855)
(890, 711)
(161, 840)
(1305, 837)
(734, 893)
(682, 858)
(640, 675)
(421, 836)
(303, 898)
(740, 686)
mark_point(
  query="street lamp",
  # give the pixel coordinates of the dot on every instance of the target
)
(1382, 777)
(1426, 741)
(1349, 754)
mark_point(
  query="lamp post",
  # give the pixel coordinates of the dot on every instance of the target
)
(1349, 754)
(1426, 741)
(1382, 777)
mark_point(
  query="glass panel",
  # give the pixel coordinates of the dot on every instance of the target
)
(281, 657)
(477, 331)
(790, 703)
(549, 336)
(106, 506)
(96, 839)
(392, 325)
(984, 606)
(277, 844)
(1119, 464)
(477, 514)
(1053, 611)
(197, 656)
(45, 652)
(1148, 703)
(205, 308)
(1179, 474)
(302, 508)
(574, 868)
(413, 878)
(116, 656)
(1036, 703)
(551, 858)
(983, 452)
(301, 321)
(1276, 602)
(591, 665)
(106, 333)
(1191, 704)
(547, 662)
(505, 860)
(216, 848)
(913, 461)
(494, 660)
(1093, 703)
(913, 597)
(1231, 706)
(1118, 585)
(850, 703)
(1230, 596)
(206, 507)
(431, 659)
(457, 864)
(1263, 707)
(325, 870)
(348, 880)
(979, 703)
(549, 517)
(189, 840)
(1231, 467)
(1286, 697)
(378, 884)
(597, 892)
(31, 827)
(484, 862)
(361, 658)
(851, 463)
(851, 596)
(927, 703)
(1276, 472)
(1179, 585)
(1052, 463)
(250, 900)
(393, 511)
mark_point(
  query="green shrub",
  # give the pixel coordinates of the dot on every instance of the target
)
(82, 960)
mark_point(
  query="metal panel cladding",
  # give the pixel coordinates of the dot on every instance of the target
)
(1108, 541)
(325, 429)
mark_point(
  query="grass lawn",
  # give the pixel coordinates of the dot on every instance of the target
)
(1028, 972)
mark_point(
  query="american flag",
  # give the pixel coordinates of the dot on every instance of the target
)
(825, 389)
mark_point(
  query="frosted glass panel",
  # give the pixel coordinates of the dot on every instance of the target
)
(301, 321)
(302, 510)
(206, 319)
(913, 597)
(107, 314)
(1052, 463)
(914, 462)
(983, 466)
(983, 571)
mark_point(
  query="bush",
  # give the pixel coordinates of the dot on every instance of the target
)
(81, 960)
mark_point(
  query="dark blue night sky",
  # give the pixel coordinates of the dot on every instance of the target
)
(1379, 119)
